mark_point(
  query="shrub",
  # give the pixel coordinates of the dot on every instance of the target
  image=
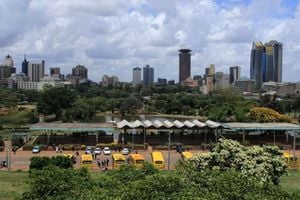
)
(264, 163)
(262, 114)
(40, 163)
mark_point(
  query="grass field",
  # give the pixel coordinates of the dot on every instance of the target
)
(13, 184)
(291, 182)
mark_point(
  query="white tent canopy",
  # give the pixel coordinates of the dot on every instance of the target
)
(166, 124)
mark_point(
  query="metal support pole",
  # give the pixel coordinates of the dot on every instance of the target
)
(205, 137)
(243, 137)
(294, 146)
(216, 135)
(97, 135)
(144, 139)
(274, 138)
(169, 149)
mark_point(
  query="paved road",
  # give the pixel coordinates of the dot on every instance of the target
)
(20, 160)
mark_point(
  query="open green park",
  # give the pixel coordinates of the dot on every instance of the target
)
(13, 184)
(238, 179)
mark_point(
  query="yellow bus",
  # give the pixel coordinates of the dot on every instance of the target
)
(73, 158)
(186, 155)
(158, 160)
(136, 160)
(87, 161)
(291, 161)
(118, 160)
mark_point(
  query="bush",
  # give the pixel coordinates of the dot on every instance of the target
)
(262, 114)
(264, 163)
(40, 163)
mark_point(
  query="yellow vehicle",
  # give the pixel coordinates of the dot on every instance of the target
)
(71, 157)
(118, 160)
(186, 155)
(136, 160)
(158, 160)
(87, 161)
(292, 162)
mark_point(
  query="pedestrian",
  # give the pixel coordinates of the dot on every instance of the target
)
(56, 149)
(98, 163)
(107, 161)
(77, 153)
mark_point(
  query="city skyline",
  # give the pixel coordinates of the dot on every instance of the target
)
(115, 37)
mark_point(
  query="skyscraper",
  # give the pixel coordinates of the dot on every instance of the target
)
(136, 76)
(55, 71)
(148, 75)
(25, 66)
(80, 71)
(36, 71)
(7, 68)
(234, 74)
(266, 62)
(184, 64)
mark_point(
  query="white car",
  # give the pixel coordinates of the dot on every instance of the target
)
(106, 151)
(88, 150)
(125, 151)
(36, 149)
(97, 151)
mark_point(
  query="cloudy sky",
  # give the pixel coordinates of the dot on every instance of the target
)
(113, 36)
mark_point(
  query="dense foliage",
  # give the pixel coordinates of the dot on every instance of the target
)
(262, 114)
(129, 183)
(83, 102)
(264, 163)
(39, 163)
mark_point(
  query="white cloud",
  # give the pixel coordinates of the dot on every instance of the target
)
(112, 37)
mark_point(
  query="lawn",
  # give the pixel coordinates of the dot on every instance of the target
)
(291, 182)
(13, 184)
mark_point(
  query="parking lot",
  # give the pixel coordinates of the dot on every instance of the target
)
(21, 159)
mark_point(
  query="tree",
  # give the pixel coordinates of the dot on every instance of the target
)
(264, 163)
(55, 101)
(130, 106)
(262, 114)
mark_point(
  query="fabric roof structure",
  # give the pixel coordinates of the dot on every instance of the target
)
(178, 124)
(199, 124)
(124, 123)
(168, 124)
(262, 126)
(148, 124)
(157, 124)
(189, 124)
(138, 124)
(212, 124)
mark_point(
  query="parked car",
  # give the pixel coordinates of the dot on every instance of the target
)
(125, 151)
(106, 151)
(97, 151)
(88, 150)
(36, 149)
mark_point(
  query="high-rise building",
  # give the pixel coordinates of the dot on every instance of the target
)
(234, 74)
(184, 64)
(109, 81)
(36, 71)
(55, 71)
(210, 71)
(80, 71)
(148, 75)
(136, 76)
(7, 68)
(266, 62)
(25, 66)
(162, 81)
(221, 79)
